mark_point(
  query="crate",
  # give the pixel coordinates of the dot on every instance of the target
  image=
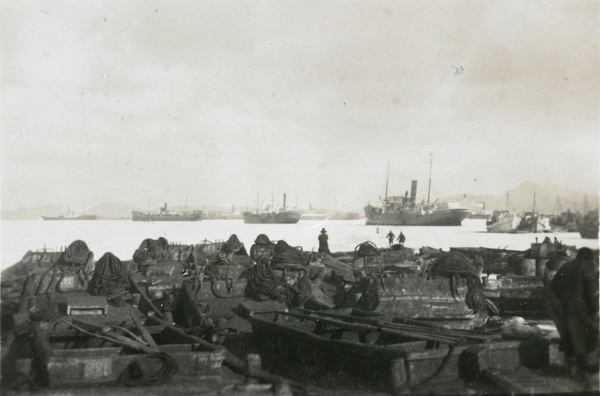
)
(79, 304)
(94, 366)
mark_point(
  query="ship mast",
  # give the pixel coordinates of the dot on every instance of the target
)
(429, 188)
(387, 180)
(533, 208)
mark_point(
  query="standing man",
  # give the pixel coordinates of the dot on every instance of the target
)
(401, 239)
(575, 286)
(323, 244)
(390, 237)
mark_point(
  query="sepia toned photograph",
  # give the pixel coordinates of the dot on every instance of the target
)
(321, 198)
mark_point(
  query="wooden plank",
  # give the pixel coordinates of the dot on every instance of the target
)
(362, 328)
(91, 326)
(144, 332)
(523, 381)
(137, 288)
(471, 335)
(116, 339)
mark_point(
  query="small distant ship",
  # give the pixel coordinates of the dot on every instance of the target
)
(482, 215)
(167, 215)
(70, 216)
(588, 227)
(565, 222)
(398, 210)
(503, 221)
(271, 216)
(344, 216)
(313, 214)
(534, 222)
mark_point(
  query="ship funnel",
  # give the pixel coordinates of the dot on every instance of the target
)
(413, 191)
(283, 201)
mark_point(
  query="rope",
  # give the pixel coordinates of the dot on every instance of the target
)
(134, 375)
(439, 369)
(475, 299)
(76, 253)
(285, 254)
(454, 265)
(366, 249)
(262, 281)
(228, 284)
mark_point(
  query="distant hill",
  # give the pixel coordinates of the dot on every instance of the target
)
(103, 211)
(31, 214)
(547, 199)
(112, 211)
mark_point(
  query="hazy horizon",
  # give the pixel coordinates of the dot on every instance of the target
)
(550, 199)
(163, 101)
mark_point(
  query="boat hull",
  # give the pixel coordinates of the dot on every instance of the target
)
(534, 223)
(272, 218)
(346, 359)
(505, 224)
(588, 228)
(80, 217)
(438, 217)
(140, 216)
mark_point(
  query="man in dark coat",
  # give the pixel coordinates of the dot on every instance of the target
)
(390, 237)
(323, 244)
(575, 286)
(401, 239)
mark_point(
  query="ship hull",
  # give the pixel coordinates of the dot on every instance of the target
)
(442, 217)
(82, 217)
(588, 228)
(505, 224)
(140, 216)
(272, 218)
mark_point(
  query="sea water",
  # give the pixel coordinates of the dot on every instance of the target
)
(123, 237)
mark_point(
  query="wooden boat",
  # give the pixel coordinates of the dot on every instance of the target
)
(503, 221)
(385, 355)
(522, 296)
(533, 222)
(565, 222)
(588, 228)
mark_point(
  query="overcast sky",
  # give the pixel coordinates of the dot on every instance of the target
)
(145, 102)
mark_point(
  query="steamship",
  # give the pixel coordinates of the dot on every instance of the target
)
(272, 216)
(405, 210)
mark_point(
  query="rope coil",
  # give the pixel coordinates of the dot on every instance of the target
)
(134, 374)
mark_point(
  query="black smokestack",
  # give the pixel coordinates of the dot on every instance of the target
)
(284, 201)
(413, 190)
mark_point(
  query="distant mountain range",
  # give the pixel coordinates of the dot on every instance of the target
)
(549, 199)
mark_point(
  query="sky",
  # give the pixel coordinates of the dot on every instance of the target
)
(214, 102)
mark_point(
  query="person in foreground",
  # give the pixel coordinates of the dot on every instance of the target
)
(575, 286)
(323, 244)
